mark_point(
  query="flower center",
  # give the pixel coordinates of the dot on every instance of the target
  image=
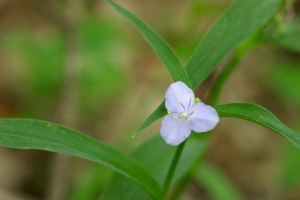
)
(184, 114)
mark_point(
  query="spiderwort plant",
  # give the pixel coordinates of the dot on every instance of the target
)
(185, 115)
(154, 161)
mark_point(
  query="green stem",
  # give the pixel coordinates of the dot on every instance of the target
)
(173, 168)
(182, 184)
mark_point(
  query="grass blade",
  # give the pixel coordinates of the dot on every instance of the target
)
(41, 135)
(241, 20)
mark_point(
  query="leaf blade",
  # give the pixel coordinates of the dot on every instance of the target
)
(41, 135)
(208, 54)
(158, 159)
(161, 48)
(157, 114)
(259, 115)
(239, 21)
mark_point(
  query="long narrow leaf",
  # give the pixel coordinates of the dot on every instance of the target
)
(159, 45)
(35, 134)
(259, 115)
(157, 114)
(240, 20)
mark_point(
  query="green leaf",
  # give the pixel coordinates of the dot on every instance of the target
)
(259, 115)
(156, 156)
(35, 134)
(240, 21)
(157, 114)
(217, 184)
(158, 44)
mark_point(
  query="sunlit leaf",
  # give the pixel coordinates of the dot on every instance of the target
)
(35, 134)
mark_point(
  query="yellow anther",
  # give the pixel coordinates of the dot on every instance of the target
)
(194, 111)
(169, 112)
(191, 98)
(175, 117)
(188, 119)
(179, 101)
(184, 114)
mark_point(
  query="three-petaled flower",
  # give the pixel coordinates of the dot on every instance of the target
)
(184, 115)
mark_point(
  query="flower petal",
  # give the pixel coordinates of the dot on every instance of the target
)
(204, 118)
(174, 130)
(179, 97)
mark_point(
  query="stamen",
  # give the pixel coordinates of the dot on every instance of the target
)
(180, 101)
(190, 102)
(175, 117)
(169, 112)
(194, 111)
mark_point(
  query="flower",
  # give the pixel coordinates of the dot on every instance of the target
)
(184, 115)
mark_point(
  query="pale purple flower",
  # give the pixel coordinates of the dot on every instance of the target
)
(184, 115)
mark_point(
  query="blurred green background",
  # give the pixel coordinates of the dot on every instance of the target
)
(84, 66)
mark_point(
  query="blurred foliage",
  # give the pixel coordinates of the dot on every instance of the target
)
(42, 55)
(288, 36)
(103, 76)
(217, 184)
(91, 183)
(42, 58)
(285, 81)
(290, 175)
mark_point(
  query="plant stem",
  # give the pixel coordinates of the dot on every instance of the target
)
(173, 168)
